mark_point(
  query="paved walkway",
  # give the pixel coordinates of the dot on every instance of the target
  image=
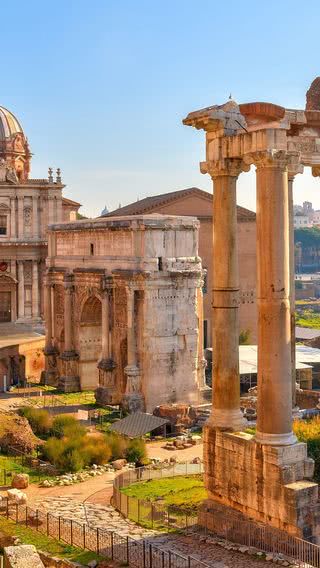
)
(155, 450)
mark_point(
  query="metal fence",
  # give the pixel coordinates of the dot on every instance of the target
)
(109, 544)
(155, 514)
(226, 524)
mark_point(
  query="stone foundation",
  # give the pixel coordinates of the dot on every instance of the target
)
(107, 396)
(266, 483)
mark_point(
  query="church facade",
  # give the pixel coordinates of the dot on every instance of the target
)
(27, 207)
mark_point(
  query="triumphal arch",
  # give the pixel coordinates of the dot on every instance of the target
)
(266, 476)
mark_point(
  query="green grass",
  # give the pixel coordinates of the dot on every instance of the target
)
(182, 491)
(308, 317)
(46, 544)
(13, 465)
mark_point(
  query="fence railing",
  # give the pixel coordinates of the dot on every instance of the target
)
(155, 514)
(109, 544)
(226, 524)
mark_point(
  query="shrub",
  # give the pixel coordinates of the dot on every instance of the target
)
(39, 420)
(95, 450)
(308, 431)
(136, 451)
(66, 425)
(117, 444)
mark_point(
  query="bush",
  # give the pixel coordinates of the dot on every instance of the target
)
(66, 425)
(308, 431)
(117, 444)
(136, 451)
(96, 450)
(39, 420)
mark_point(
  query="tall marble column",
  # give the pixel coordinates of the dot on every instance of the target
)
(107, 392)
(35, 290)
(35, 220)
(48, 312)
(20, 290)
(70, 380)
(133, 398)
(20, 216)
(13, 232)
(274, 425)
(226, 411)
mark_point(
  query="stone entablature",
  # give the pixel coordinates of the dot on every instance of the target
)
(126, 298)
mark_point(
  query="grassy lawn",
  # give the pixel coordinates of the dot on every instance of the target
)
(46, 544)
(308, 318)
(184, 491)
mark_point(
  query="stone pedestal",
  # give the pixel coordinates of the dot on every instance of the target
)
(69, 381)
(267, 483)
(107, 393)
(133, 400)
(51, 373)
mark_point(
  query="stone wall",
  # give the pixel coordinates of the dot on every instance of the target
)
(267, 483)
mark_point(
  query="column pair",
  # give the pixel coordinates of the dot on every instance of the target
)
(70, 380)
(274, 425)
(50, 352)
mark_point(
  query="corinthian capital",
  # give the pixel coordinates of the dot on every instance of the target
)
(274, 159)
(231, 167)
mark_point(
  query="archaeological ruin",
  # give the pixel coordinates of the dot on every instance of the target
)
(266, 476)
(123, 300)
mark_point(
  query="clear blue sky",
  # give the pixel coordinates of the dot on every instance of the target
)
(101, 87)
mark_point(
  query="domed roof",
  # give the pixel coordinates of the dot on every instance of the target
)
(9, 124)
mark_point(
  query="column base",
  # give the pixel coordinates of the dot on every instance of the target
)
(50, 375)
(69, 384)
(133, 402)
(227, 419)
(287, 439)
(107, 396)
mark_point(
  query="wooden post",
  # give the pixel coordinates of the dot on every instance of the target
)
(112, 546)
(84, 536)
(71, 533)
(98, 544)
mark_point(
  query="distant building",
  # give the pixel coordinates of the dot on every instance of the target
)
(27, 207)
(198, 203)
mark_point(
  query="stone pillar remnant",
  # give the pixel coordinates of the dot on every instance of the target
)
(70, 380)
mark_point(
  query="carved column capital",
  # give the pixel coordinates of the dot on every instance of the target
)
(280, 159)
(231, 167)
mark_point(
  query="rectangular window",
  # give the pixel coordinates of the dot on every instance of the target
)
(3, 224)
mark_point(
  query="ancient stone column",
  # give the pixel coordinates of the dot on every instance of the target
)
(133, 399)
(35, 220)
(20, 216)
(20, 289)
(48, 313)
(35, 290)
(274, 425)
(70, 380)
(106, 393)
(226, 411)
(13, 233)
(68, 336)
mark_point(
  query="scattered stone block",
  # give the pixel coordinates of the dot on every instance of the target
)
(119, 464)
(20, 481)
(24, 556)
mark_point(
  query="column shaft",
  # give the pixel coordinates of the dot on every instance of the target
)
(68, 336)
(225, 305)
(20, 289)
(131, 336)
(35, 289)
(48, 314)
(292, 295)
(13, 233)
(35, 221)
(274, 424)
(20, 217)
(105, 326)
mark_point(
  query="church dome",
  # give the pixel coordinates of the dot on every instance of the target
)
(9, 125)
